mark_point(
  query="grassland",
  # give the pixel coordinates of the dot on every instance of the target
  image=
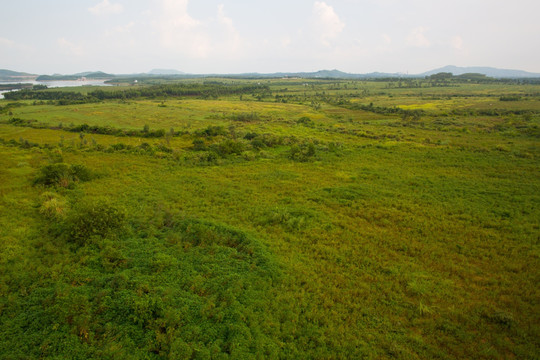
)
(317, 219)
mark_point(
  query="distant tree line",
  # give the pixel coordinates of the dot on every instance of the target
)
(204, 90)
(95, 129)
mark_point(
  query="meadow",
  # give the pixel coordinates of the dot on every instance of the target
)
(285, 218)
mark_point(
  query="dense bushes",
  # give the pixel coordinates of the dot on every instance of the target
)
(62, 174)
(94, 129)
(509, 98)
(53, 206)
(228, 147)
(302, 152)
(93, 218)
(212, 131)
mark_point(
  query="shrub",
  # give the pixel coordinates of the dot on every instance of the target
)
(509, 98)
(55, 156)
(250, 136)
(62, 174)
(199, 145)
(302, 152)
(304, 120)
(271, 140)
(228, 147)
(291, 219)
(257, 144)
(53, 206)
(212, 131)
(81, 172)
(94, 218)
(120, 147)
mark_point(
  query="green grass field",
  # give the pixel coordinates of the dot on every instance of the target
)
(292, 226)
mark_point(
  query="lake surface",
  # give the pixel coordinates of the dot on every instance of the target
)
(55, 84)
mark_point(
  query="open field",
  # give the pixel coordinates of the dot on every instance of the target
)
(311, 219)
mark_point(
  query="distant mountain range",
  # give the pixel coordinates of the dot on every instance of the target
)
(488, 71)
(165, 72)
(91, 75)
(8, 75)
(328, 74)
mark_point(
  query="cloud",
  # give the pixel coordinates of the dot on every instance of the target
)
(6, 42)
(124, 29)
(69, 47)
(233, 38)
(194, 38)
(387, 39)
(457, 43)
(286, 41)
(417, 38)
(15, 47)
(106, 8)
(328, 23)
(180, 32)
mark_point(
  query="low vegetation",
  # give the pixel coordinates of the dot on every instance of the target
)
(271, 219)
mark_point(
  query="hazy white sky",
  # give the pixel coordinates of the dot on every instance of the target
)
(233, 36)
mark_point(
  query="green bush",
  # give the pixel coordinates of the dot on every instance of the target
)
(212, 131)
(302, 152)
(62, 174)
(291, 219)
(53, 206)
(199, 145)
(228, 147)
(304, 120)
(94, 218)
(257, 144)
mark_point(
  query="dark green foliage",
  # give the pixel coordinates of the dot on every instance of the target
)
(20, 122)
(120, 147)
(163, 148)
(509, 98)
(266, 140)
(290, 218)
(207, 234)
(81, 172)
(306, 121)
(62, 174)
(203, 158)
(30, 94)
(302, 152)
(93, 129)
(199, 145)
(212, 131)
(198, 289)
(415, 114)
(257, 143)
(250, 136)
(205, 91)
(228, 147)
(93, 218)
(440, 76)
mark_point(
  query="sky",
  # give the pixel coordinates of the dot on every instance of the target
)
(239, 36)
